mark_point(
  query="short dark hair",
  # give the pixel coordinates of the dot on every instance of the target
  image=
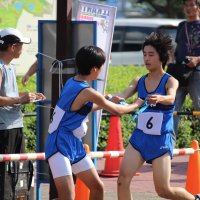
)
(162, 42)
(197, 2)
(88, 57)
(7, 41)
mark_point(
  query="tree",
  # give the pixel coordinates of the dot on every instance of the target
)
(171, 8)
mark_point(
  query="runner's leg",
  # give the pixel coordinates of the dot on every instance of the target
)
(161, 175)
(131, 162)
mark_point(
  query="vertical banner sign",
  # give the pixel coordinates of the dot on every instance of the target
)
(104, 16)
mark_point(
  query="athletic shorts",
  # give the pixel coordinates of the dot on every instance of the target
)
(65, 143)
(61, 166)
(152, 146)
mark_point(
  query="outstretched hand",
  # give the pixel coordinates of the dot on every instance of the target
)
(114, 99)
(153, 99)
(139, 102)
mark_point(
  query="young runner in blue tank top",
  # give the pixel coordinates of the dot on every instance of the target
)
(151, 140)
(64, 148)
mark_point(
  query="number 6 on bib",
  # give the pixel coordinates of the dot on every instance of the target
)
(150, 122)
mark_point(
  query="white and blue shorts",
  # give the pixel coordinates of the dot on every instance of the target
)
(61, 166)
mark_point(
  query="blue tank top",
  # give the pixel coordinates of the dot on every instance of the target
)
(156, 119)
(64, 121)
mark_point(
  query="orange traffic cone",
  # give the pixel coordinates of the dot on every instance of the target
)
(193, 173)
(81, 190)
(115, 143)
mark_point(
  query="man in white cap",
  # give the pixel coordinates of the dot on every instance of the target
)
(11, 121)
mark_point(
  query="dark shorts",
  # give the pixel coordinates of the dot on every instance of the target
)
(152, 146)
(12, 141)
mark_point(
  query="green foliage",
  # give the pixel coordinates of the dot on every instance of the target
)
(103, 134)
(120, 77)
(29, 121)
(188, 127)
(167, 8)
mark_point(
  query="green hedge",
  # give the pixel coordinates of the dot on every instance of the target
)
(118, 79)
(29, 122)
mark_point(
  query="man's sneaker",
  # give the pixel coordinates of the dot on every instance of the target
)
(197, 197)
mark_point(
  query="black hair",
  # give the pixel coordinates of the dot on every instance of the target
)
(197, 2)
(162, 42)
(8, 40)
(88, 57)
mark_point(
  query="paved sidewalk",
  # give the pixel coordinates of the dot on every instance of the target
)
(142, 186)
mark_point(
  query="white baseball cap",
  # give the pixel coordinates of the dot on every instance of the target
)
(13, 32)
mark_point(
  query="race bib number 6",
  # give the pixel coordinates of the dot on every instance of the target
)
(150, 122)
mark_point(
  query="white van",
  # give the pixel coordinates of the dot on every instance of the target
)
(129, 36)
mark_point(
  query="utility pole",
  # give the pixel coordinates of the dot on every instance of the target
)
(63, 42)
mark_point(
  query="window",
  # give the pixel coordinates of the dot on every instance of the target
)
(129, 38)
(171, 30)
